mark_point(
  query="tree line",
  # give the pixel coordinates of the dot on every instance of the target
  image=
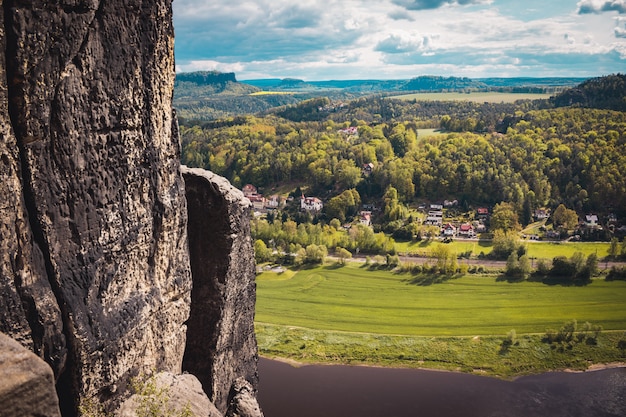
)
(546, 157)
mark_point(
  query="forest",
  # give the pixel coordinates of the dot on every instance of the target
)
(527, 154)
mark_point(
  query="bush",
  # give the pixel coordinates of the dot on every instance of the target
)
(569, 334)
(616, 274)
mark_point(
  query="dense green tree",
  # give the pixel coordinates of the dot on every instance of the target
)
(261, 251)
(504, 217)
(342, 254)
(564, 218)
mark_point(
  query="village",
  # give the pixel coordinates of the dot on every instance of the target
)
(447, 217)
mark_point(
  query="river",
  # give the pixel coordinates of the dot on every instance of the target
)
(359, 391)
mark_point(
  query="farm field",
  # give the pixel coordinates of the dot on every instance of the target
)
(480, 97)
(353, 298)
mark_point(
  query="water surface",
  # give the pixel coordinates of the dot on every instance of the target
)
(356, 391)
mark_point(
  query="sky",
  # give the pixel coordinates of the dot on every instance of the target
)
(400, 39)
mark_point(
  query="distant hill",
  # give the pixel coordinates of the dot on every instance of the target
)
(607, 92)
(205, 83)
(206, 77)
(434, 83)
(208, 95)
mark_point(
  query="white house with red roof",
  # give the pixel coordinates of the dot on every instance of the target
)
(466, 230)
(311, 204)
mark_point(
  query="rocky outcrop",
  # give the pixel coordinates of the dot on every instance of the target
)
(221, 345)
(169, 394)
(95, 268)
(243, 402)
(27, 383)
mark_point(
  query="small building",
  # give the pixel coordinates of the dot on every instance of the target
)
(553, 234)
(466, 230)
(480, 227)
(542, 214)
(449, 230)
(436, 207)
(274, 202)
(365, 218)
(249, 190)
(433, 221)
(367, 169)
(450, 203)
(591, 220)
(434, 218)
(313, 204)
(482, 213)
(350, 131)
(258, 201)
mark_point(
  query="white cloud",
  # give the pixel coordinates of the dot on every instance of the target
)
(395, 38)
(435, 4)
(600, 6)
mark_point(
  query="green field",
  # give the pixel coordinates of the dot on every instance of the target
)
(353, 315)
(355, 299)
(429, 133)
(480, 97)
(538, 250)
(271, 93)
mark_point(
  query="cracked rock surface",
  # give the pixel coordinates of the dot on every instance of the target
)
(96, 263)
(94, 247)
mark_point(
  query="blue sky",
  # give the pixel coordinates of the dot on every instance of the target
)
(398, 39)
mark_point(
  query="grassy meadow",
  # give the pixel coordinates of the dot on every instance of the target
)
(538, 250)
(480, 97)
(354, 298)
(354, 314)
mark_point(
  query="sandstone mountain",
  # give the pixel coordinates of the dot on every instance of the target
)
(96, 276)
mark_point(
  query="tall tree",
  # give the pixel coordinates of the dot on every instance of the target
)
(504, 218)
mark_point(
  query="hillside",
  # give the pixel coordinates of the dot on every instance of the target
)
(601, 93)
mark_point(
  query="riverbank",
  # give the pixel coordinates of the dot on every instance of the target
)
(495, 356)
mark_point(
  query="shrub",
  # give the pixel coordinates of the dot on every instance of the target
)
(616, 274)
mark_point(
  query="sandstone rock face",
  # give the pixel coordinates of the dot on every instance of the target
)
(244, 402)
(95, 265)
(27, 383)
(30, 313)
(103, 212)
(221, 345)
(169, 393)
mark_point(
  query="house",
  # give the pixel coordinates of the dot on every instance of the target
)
(249, 190)
(450, 203)
(553, 234)
(434, 218)
(449, 230)
(274, 202)
(258, 201)
(542, 214)
(591, 220)
(350, 131)
(466, 230)
(365, 218)
(367, 169)
(311, 204)
(436, 207)
(482, 213)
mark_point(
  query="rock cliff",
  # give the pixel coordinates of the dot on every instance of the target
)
(221, 345)
(95, 274)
